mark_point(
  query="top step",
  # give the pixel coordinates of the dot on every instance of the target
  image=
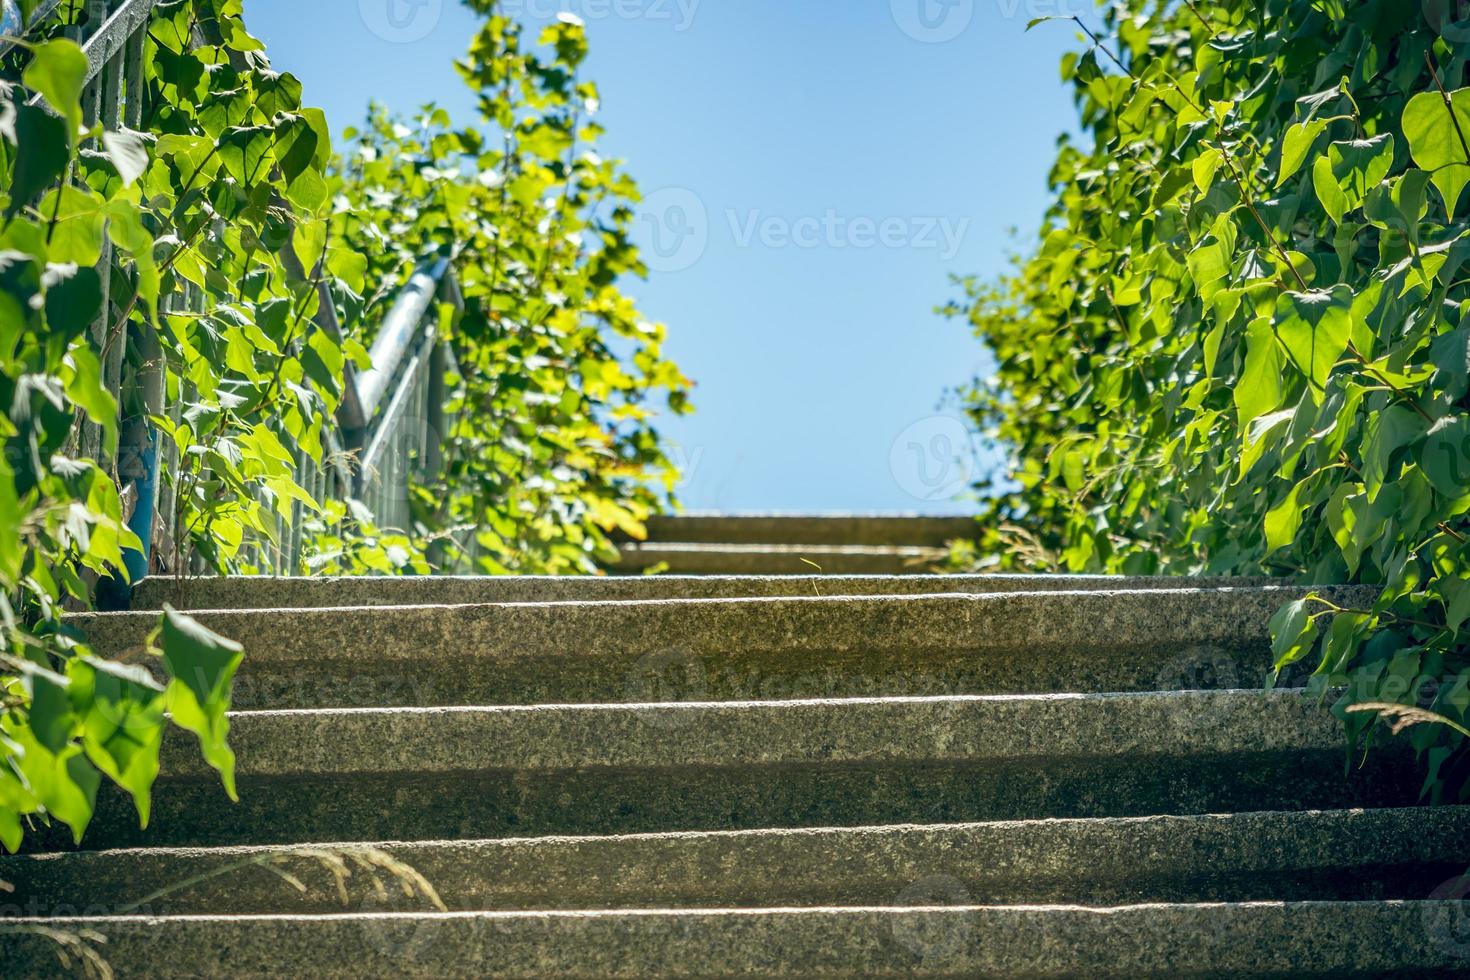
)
(871, 530)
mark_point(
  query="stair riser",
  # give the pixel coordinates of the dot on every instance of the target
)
(678, 675)
(1373, 854)
(1149, 941)
(857, 529)
(459, 806)
(741, 650)
(295, 593)
(716, 561)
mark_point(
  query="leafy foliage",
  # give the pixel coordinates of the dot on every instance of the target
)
(206, 238)
(184, 214)
(552, 445)
(1241, 346)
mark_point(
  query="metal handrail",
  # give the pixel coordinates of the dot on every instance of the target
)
(392, 415)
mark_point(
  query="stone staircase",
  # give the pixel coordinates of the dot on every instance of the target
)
(758, 776)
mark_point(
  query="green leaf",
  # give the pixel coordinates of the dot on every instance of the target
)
(122, 713)
(1259, 389)
(1435, 132)
(201, 665)
(1295, 147)
(1293, 632)
(1314, 328)
(1349, 171)
(58, 70)
(128, 153)
(1284, 520)
(1206, 166)
(41, 156)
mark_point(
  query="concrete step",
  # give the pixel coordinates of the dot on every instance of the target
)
(432, 774)
(264, 592)
(910, 530)
(1337, 939)
(776, 559)
(765, 649)
(1316, 855)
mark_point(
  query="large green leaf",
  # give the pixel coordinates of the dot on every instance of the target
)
(1314, 328)
(1439, 138)
(201, 665)
(41, 156)
(58, 70)
(1259, 389)
(122, 715)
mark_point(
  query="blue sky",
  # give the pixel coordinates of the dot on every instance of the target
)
(813, 172)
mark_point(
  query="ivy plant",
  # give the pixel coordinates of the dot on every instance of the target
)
(1241, 344)
(552, 447)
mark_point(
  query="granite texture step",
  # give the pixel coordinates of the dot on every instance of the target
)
(776, 559)
(1361, 854)
(910, 530)
(745, 649)
(265, 592)
(1330, 939)
(431, 774)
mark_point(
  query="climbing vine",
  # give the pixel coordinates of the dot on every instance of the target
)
(197, 251)
(1242, 344)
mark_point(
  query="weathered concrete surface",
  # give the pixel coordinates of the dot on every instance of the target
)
(911, 530)
(425, 774)
(722, 649)
(1362, 854)
(264, 592)
(773, 559)
(1255, 939)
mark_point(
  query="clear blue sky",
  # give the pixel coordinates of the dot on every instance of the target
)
(813, 171)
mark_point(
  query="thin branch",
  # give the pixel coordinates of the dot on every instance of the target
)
(1449, 103)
